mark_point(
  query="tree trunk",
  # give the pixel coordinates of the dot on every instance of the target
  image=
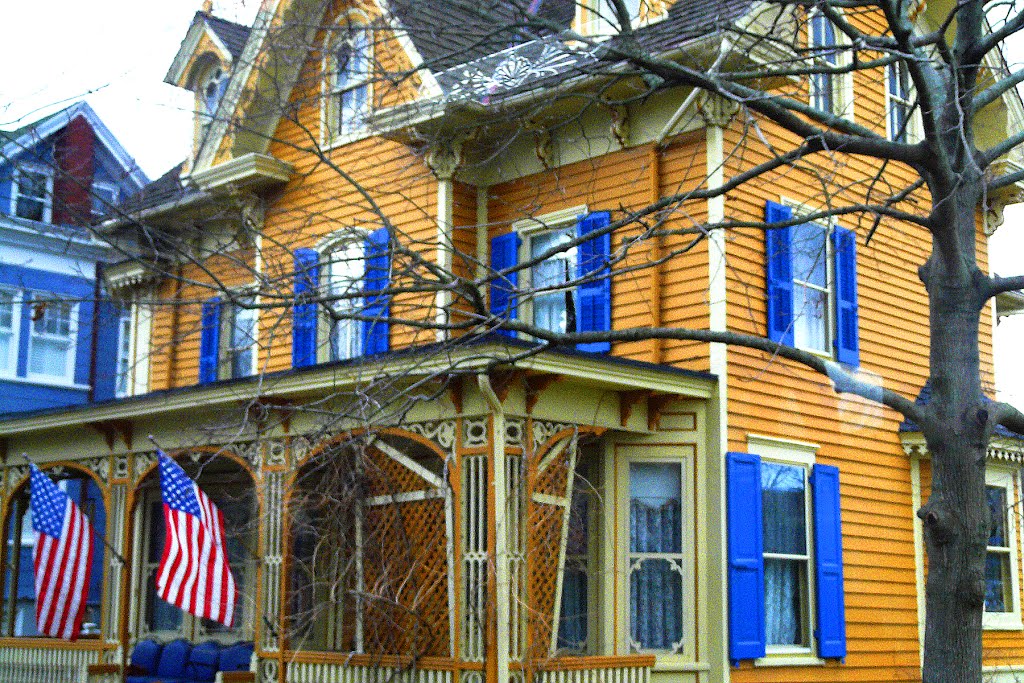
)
(956, 430)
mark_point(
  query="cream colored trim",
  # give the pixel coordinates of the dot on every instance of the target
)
(773, 447)
(407, 462)
(248, 170)
(1007, 479)
(548, 499)
(483, 246)
(549, 221)
(176, 74)
(789, 660)
(444, 249)
(406, 497)
(915, 496)
(429, 87)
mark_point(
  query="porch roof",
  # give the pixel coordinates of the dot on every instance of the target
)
(452, 358)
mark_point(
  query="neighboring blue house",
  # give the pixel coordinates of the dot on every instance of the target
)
(58, 175)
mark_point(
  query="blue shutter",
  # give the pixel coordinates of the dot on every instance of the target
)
(304, 313)
(209, 341)
(828, 561)
(779, 276)
(746, 558)
(377, 307)
(594, 299)
(505, 254)
(844, 245)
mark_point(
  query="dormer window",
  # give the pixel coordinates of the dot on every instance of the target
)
(350, 92)
(213, 87)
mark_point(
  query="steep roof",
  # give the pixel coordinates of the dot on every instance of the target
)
(15, 141)
(231, 34)
(166, 188)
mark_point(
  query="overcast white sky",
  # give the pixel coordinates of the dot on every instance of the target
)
(115, 53)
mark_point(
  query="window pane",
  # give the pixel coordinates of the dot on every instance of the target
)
(550, 309)
(345, 280)
(49, 357)
(810, 258)
(810, 328)
(783, 509)
(997, 582)
(997, 509)
(654, 507)
(783, 582)
(656, 605)
(573, 626)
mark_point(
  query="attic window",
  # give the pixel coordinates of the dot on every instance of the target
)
(33, 194)
(214, 85)
(349, 88)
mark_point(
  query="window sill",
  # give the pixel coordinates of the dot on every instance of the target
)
(47, 381)
(1009, 621)
(789, 659)
(347, 138)
(672, 663)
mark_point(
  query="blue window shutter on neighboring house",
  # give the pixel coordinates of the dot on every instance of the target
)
(377, 307)
(828, 556)
(746, 558)
(844, 244)
(505, 254)
(779, 260)
(304, 318)
(594, 299)
(209, 341)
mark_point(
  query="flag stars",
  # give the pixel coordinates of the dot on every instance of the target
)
(49, 504)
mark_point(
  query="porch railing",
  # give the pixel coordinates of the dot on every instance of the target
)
(25, 661)
(614, 669)
(323, 667)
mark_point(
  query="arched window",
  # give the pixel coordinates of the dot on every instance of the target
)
(19, 603)
(349, 66)
(230, 487)
(831, 93)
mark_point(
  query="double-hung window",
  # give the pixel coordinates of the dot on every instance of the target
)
(104, 197)
(52, 340)
(342, 288)
(569, 289)
(1002, 605)
(10, 322)
(349, 69)
(785, 554)
(821, 41)
(33, 194)
(240, 338)
(899, 104)
(123, 377)
(811, 279)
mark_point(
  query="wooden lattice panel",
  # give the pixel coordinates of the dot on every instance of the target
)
(545, 535)
(406, 579)
(384, 476)
(553, 478)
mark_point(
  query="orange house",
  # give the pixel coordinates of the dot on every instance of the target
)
(341, 308)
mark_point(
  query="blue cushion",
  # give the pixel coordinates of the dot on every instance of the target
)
(203, 662)
(146, 655)
(173, 659)
(236, 657)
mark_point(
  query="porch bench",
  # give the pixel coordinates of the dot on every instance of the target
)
(181, 662)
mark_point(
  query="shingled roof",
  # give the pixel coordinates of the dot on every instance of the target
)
(234, 36)
(925, 397)
(166, 188)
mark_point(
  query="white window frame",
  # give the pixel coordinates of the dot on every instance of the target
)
(123, 369)
(595, 18)
(227, 352)
(334, 131)
(804, 455)
(16, 190)
(1011, 619)
(799, 210)
(68, 378)
(687, 651)
(913, 131)
(16, 309)
(530, 228)
(101, 206)
(347, 240)
(840, 84)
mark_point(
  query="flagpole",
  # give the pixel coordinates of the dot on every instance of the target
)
(98, 535)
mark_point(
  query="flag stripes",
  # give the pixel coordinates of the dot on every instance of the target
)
(62, 558)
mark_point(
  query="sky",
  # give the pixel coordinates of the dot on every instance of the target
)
(115, 53)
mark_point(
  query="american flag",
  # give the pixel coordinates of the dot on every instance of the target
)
(62, 557)
(193, 573)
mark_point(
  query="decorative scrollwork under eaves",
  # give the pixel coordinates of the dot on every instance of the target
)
(474, 431)
(15, 475)
(515, 432)
(121, 466)
(543, 430)
(251, 452)
(268, 671)
(441, 432)
(143, 461)
(277, 453)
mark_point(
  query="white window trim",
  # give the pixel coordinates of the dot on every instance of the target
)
(1007, 479)
(340, 239)
(527, 228)
(800, 454)
(913, 130)
(688, 650)
(67, 379)
(128, 369)
(593, 17)
(843, 99)
(227, 325)
(16, 306)
(16, 190)
(802, 209)
(329, 97)
(103, 185)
